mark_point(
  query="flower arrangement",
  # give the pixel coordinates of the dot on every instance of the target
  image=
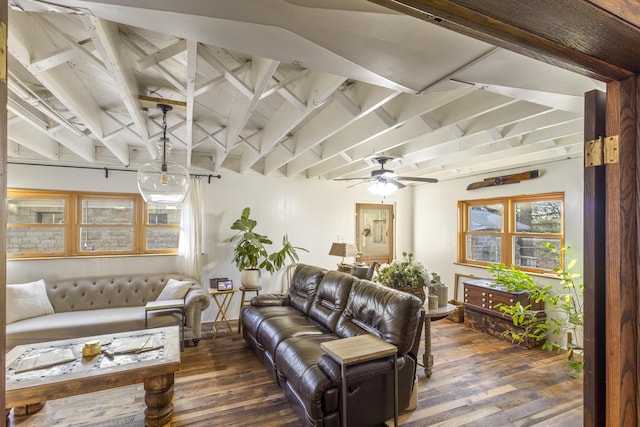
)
(404, 273)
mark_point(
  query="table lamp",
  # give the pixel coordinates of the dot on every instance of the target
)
(343, 250)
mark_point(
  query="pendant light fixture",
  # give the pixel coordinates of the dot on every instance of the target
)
(161, 181)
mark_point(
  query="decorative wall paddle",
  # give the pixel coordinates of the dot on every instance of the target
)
(506, 179)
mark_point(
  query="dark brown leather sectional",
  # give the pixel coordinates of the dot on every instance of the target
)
(285, 332)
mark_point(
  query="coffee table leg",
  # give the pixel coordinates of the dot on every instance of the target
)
(158, 397)
(427, 357)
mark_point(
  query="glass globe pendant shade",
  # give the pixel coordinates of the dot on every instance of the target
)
(161, 181)
(164, 183)
(383, 188)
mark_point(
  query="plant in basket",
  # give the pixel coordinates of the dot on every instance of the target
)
(405, 274)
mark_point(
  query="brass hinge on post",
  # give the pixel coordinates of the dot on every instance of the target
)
(601, 151)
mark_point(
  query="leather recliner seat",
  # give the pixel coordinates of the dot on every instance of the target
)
(285, 332)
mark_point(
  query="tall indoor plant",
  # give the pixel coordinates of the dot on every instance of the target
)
(567, 306)
(250, 252)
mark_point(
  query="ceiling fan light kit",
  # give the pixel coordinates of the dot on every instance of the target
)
(161, 181)
(385, 181)
(383, 187)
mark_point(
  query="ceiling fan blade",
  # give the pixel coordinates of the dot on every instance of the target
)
(357, 183)
(416, 179)
(397, 184)
(351, 179)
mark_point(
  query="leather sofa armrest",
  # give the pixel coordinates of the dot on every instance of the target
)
(195, 302)
(357, 372)
(266, 300)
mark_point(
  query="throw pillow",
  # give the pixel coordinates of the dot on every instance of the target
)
(27, 300)
(174, 289)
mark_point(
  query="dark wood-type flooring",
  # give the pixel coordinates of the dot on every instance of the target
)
(477, 381)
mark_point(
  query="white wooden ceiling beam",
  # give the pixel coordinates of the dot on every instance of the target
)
(63, 84)
(262, 70)
(216, 81)
(192, 64)
(106, 39)
(36, 141)
(288, 116)
(382, 138)
(231, 77)
(366, 97)
(131, 41)
(162, 54)
(54, 59)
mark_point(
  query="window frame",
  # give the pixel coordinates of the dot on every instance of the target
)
(73, 224)
(508, 232)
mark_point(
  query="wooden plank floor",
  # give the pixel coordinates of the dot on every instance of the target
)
(477, 381)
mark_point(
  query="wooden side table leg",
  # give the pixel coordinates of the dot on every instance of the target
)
(158, 397)
(241, 305)
(427, 357)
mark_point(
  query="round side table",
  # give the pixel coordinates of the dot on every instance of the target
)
(242, 289)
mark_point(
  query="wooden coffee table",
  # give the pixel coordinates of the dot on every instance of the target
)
(155, 366)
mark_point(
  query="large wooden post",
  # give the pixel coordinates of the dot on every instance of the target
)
(594, 273)
(3, 194)
(622, 256)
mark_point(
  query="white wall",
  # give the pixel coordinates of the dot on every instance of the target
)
(312, 212)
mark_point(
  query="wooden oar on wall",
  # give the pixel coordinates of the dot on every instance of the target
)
(505, 179)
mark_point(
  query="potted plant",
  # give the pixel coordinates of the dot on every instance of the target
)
(250, 252)
(566, 305)
(405, 274)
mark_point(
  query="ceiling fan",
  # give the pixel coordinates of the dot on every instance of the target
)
(385, 181)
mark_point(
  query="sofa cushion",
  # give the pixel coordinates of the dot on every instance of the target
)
(77, 324)
(276, 329)
(304, 285)
(174, 289)
(27, 300)
(331, 298)
(387, 313)
(297, 362)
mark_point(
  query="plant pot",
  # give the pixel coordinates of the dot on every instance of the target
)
(250, 278)
(417, 291)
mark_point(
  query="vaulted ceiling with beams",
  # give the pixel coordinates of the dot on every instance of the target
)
(305, 88)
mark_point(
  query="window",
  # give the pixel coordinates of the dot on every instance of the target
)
(513, 231)
(52, 223)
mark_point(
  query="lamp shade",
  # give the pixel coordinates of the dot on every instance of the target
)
(164, 183)
(343, 249)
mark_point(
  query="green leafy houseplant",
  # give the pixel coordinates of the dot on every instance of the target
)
(250, 251)
(567, 308)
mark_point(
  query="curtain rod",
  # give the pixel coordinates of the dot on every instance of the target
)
(106, 169)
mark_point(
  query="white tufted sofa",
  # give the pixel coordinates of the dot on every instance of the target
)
(102, 305)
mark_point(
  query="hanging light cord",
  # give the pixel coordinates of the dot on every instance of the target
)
(164, 108)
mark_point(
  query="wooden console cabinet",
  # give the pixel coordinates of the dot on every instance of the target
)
(481, 313)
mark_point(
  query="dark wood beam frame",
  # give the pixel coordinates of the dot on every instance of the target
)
(587, 37)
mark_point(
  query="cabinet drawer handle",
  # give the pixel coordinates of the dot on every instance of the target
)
(491, 295)
(483, 305)
(484, 299)
(483, 294)
(510, 299)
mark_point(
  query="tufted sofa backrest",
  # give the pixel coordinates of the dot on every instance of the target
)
(107, 292)
(387, 313)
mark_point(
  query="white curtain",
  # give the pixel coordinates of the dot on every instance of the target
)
(190, 246)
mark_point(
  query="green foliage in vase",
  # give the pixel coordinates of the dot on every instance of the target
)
(564, 311)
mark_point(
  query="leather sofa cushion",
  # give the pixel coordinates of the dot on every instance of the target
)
(77, 324)
(297, 361)
(387, 313)
(331, 298)
(304, 285)
(277, 329)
